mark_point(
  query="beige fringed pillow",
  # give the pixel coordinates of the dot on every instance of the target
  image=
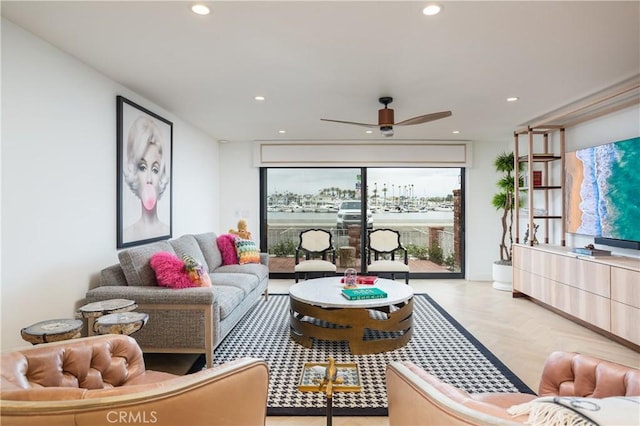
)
(576, 411)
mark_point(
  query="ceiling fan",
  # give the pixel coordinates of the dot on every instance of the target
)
(385, 118)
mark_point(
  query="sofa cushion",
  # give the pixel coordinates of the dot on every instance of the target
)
(258, 269)
(187, 245)
(135, 263)
(229, 298)
(209, 247)
(245, 282)
(247, 251)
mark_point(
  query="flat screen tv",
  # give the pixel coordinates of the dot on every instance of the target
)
(603, 193)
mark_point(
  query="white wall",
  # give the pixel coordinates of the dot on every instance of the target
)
(483, 228)
(240, 188)
(59, 180)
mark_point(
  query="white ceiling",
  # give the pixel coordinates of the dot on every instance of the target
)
(334, 59)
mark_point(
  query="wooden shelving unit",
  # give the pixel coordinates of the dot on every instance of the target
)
(545, 150)
(539, 156)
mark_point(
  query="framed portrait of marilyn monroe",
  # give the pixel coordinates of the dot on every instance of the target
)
(144, 190)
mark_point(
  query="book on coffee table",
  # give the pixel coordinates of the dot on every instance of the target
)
(363, 293)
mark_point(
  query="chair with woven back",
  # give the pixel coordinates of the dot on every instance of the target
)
(315, 254)
(382, 246)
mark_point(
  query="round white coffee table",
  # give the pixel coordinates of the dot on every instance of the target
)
(318, 310)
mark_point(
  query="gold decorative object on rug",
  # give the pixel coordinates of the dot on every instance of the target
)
(330, 377)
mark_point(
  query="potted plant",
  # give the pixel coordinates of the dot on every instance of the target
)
(505, 201)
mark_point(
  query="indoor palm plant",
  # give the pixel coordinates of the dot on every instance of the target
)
(505, 201)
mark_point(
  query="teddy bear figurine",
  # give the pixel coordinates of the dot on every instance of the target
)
(242, 230)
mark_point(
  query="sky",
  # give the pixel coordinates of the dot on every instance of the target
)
(427, 182)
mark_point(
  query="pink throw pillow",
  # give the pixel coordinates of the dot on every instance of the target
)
(227, 246)
(170, 270)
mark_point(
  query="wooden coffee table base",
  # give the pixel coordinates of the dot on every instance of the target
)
(351, 326)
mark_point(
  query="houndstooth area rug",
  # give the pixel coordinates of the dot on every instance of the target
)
(439, 344)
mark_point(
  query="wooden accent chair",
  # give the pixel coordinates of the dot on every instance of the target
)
(315, 243)
(385, 243)
(102, 380)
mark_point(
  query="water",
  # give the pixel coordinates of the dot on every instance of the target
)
(430, 218)
(609, 190)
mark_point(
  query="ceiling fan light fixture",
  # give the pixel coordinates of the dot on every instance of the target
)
(386, 131)
(432, 9)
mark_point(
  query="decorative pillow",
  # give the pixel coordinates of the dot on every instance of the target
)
(170, 270)
(227, 246)
(196, 272)
(247, 251)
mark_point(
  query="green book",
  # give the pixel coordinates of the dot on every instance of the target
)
(363, 293)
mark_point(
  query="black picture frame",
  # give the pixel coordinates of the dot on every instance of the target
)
(144, 175)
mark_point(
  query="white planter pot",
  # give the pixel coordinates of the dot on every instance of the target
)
(502, 277)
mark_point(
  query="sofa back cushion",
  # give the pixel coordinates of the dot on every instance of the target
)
(188, 245)
(135, 263)
(209, 246)
(112, 275)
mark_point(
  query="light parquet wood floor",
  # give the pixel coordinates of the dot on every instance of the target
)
(519, 332)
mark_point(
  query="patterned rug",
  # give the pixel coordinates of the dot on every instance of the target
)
(439, 344)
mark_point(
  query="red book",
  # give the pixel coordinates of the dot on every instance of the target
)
(537, 178)
(364, 279)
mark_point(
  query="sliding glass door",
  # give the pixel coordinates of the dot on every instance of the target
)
(423, 204)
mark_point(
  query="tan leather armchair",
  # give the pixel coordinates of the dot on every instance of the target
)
(416, 397)
(102, 380)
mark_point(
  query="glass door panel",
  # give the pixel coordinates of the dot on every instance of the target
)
(304, 198)
(425, 206)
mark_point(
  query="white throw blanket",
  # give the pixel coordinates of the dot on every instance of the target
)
(575, 411)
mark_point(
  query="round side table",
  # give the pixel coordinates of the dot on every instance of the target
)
(94, 310)
(120, 323)
(52, 331)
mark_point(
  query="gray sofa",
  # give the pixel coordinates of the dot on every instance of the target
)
(189, 320)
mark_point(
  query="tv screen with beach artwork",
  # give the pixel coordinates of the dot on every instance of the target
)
(603, 191)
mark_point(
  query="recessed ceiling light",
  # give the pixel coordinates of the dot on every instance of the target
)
(200, 9)
(432, 9)
(282, 131)
(512, 99)
(259, 98)
(368, 131)
(455, 132)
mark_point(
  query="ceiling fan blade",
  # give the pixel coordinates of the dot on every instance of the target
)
(350, 122)
(424, 118)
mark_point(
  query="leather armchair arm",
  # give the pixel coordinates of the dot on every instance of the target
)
(232, 394)
(417, 397)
